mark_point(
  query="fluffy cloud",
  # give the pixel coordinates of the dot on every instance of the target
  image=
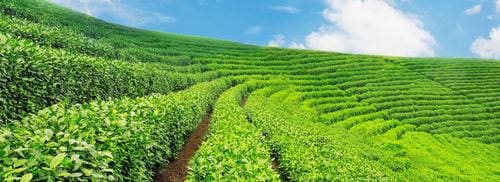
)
(473, 10)
(495, 15)
(371, 27)
(295, 45)
(278, 41)
(497, 5)
(488, 47)
(286, 9)
(116, 9)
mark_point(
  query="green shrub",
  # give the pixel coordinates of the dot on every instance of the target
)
(121, 139)
(34, 77)
(234, 149)
(58, 37)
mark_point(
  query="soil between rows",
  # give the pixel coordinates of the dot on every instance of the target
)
(177, 170)
(243, 101)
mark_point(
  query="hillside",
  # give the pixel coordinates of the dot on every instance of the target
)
(82, 99)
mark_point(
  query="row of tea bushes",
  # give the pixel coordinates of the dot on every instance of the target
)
(122, 139)
(34, 77)
(234, 149)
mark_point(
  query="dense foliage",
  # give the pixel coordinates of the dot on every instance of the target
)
(233, 143)
(120, 139)
(34, 77)
(376, 150)
(82, 99)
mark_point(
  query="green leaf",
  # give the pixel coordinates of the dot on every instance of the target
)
(57, 160)
(107, 154)
(11, 178)
(20, 162)
(77, 161)
(76, 175)
(18, 170)
(27, 177)
(48, 133)
(87, 172)
(64, 174)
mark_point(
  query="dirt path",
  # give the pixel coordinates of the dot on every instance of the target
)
(276, 165)
(243, 101)
(176, 171)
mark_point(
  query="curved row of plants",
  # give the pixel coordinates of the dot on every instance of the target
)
(234, 149)
(34, 77)
(375, 149)
(330, 117)
(121, 139)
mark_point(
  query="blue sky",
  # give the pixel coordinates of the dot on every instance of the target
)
(443, 28)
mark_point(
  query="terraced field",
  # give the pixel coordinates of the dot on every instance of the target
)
(82, 99)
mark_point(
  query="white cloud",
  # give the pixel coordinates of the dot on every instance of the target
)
(371, 27)
(473, 10)
(254, 30)
(496, 13)
(116, 9)
(488, 47)
(278, 41)
(286, 9)
(295, 45)
(497, 5)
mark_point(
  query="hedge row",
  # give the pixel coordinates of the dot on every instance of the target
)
(306, 149)
(122, 139)
(58, 37)
(34, 77)
(234, 149)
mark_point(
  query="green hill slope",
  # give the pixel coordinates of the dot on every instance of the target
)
(83, 99)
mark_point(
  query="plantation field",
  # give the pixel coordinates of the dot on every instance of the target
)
(85, 100)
